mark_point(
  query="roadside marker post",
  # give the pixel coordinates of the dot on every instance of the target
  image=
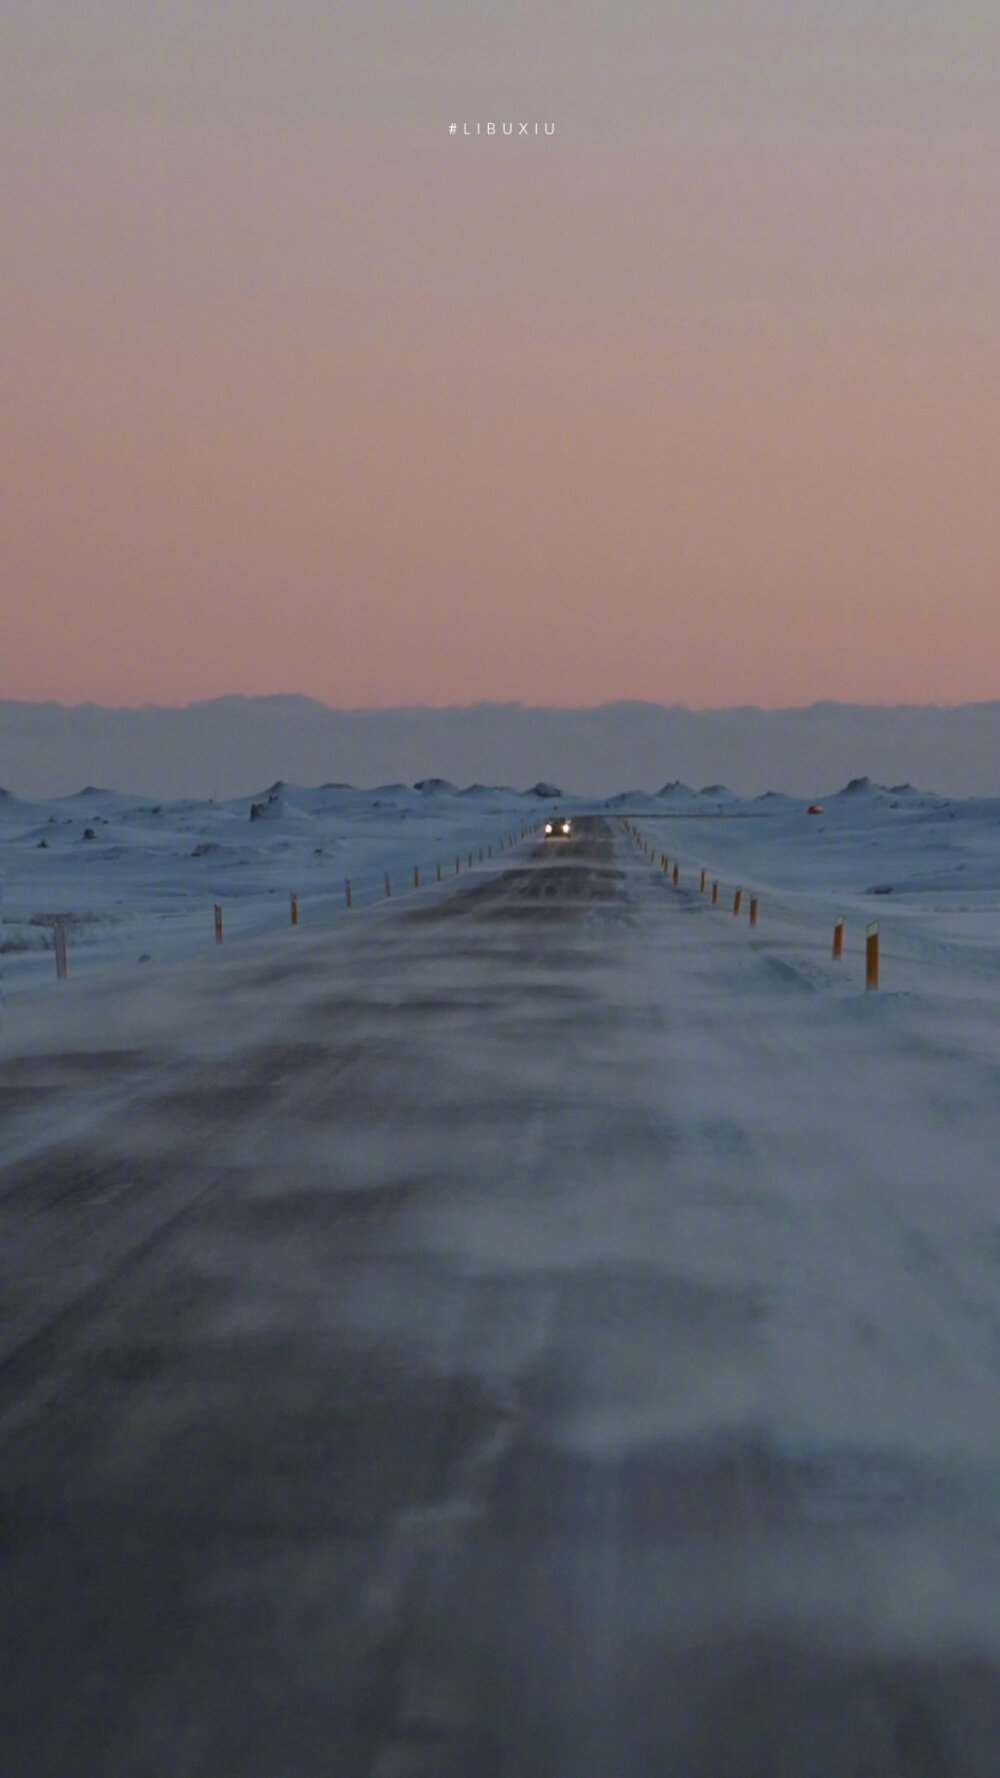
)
(715, 893)
(753, 910)
(677, 873)
(347, 890)
(416, 876)
(439, 873)
(871, 956)
(294, 908)
(837, 949)
(59, 939)
(737, 898)
(218, 923)
(388, 891)
(701, 885)
(457, 867)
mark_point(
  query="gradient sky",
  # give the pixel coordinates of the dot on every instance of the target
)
(696, 400)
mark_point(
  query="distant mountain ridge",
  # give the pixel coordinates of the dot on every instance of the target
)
(229, 746)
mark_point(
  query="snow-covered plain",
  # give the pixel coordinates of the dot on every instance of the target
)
(926, 868)
(135, 879)
(131, 878)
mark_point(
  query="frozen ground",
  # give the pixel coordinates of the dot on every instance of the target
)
(540, 1329)
(132, 879)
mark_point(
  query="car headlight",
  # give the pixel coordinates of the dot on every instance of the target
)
(565, 827)
(548, 827)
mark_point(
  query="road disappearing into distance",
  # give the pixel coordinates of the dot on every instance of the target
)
(542, 1330)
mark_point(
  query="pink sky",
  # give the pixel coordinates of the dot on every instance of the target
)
(695, 401)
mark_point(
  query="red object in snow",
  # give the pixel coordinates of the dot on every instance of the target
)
(814, 809)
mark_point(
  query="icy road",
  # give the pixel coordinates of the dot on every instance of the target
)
(541, 1330)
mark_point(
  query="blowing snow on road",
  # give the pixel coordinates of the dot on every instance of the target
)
(543, 1329)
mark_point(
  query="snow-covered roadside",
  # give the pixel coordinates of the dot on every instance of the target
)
(925, 868)
(135, 880)
(132, 880)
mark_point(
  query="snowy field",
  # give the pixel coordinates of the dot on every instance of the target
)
(132, 879)
(135, 880)
(538, 1326)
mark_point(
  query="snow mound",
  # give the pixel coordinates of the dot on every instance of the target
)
(636, 800)
(861, 787)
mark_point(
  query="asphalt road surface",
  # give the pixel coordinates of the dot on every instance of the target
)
(397, 1381)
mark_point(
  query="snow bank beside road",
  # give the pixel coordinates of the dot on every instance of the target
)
(129, 877)
(133, 878)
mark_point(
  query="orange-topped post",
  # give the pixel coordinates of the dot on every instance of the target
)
(871, 955)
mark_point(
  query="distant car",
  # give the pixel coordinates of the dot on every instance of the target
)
(558, 827)
(814, 809)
